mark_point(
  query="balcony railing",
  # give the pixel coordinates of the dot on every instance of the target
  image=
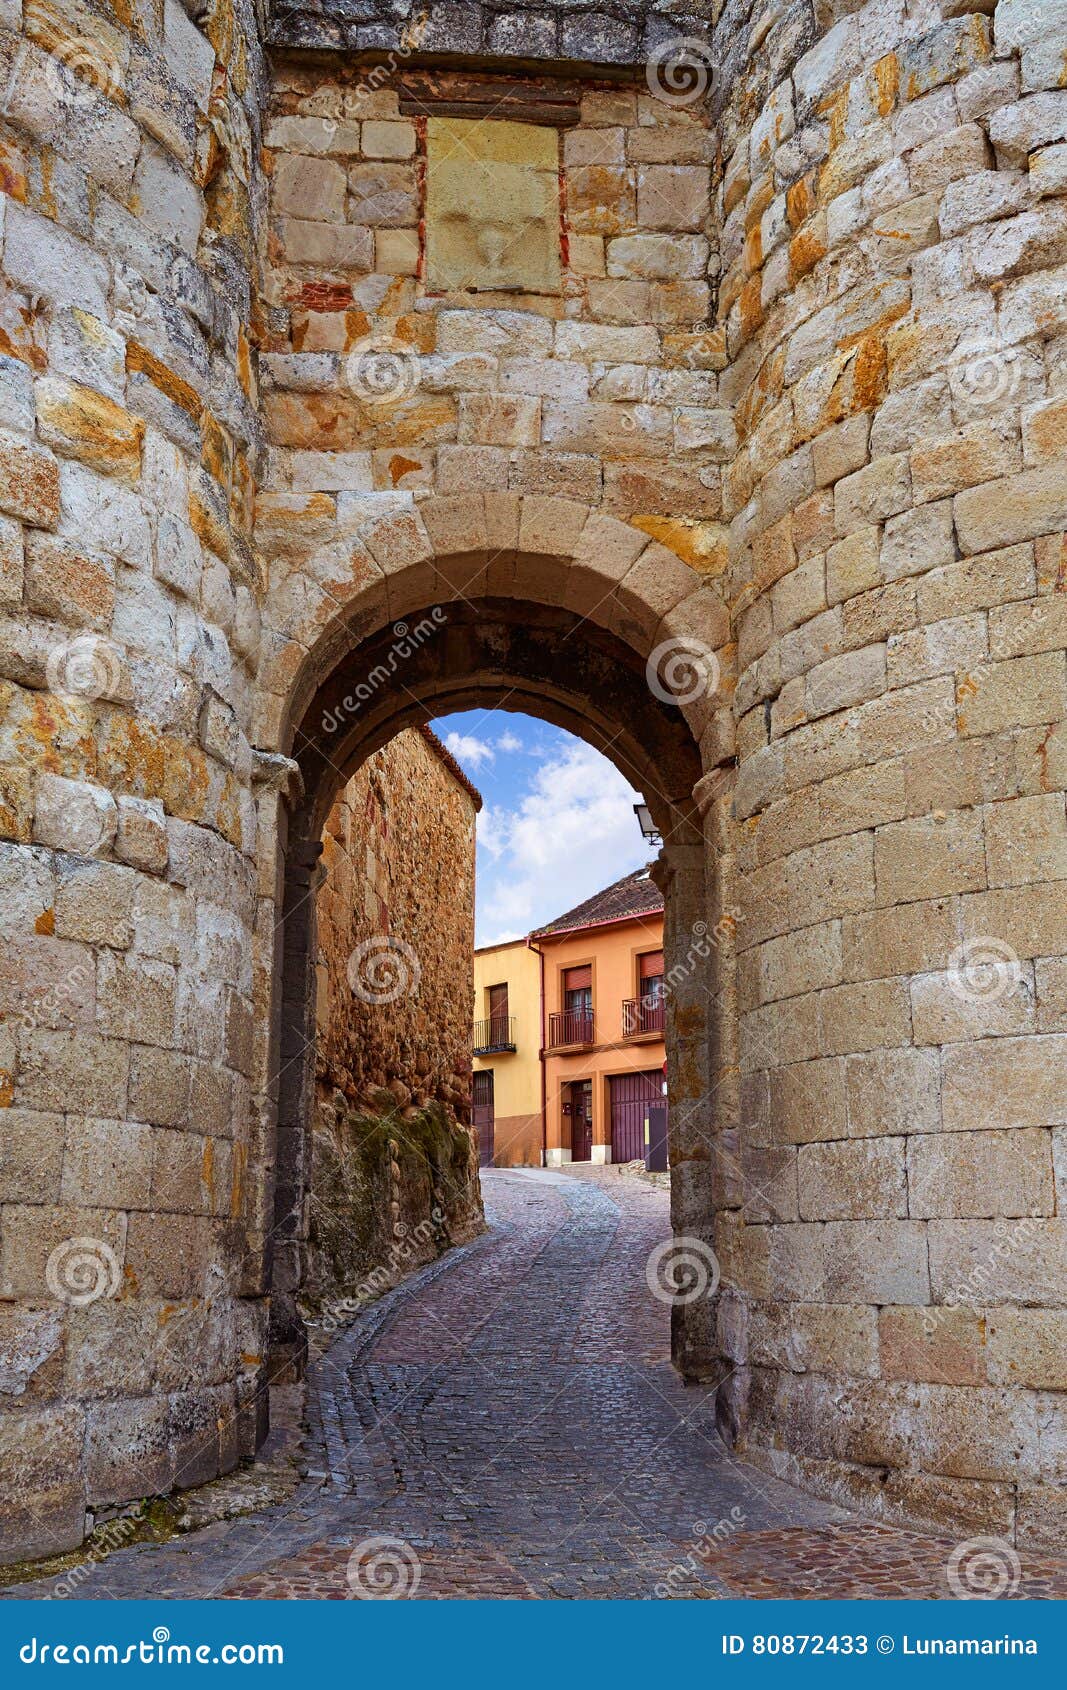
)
(496, 1034)
(642, 1015)
(570, 1027)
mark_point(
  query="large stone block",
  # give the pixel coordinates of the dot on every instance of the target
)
(484, 182)
(863, 1180)
(979, 1174)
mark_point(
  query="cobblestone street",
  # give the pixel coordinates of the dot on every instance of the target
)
(508, 1421)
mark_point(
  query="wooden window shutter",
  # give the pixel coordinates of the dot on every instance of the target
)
(575, 978)
(652, 965)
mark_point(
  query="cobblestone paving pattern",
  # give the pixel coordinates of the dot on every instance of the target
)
(510, 1415)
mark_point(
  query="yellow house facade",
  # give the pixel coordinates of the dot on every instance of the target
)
(507, 1090)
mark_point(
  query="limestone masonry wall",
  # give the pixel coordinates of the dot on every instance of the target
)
(354, 348)
(131, 1235)
(894, 236)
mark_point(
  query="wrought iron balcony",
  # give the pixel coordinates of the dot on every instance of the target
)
(570, 1027)
(494, 1035)
(642, 1015)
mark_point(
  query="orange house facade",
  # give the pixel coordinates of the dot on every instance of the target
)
(603, 1019)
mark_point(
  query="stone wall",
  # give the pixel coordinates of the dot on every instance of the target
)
(393, 1166)
(613, 32)
(788, 382)
(894, 236)
(132, 1272)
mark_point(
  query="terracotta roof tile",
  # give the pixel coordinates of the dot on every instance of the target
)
(634, 894)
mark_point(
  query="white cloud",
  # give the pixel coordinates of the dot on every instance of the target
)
(469, 751)
(509, 742)
(572, 833)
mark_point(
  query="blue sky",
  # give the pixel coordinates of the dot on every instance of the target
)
(558, 821)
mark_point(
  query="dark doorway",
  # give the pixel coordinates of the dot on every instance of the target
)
(483, 1116)
(631, 1095)
(581, 1120)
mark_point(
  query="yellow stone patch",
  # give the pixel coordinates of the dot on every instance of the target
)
(146, 363)
(92, 427)
(702, 545)
(16, 809)
(492, 206)
(93, 50)
(56, 735)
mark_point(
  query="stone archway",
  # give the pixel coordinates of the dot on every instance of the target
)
(583, 636)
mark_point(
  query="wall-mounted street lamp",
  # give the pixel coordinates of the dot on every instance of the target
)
(646, 824)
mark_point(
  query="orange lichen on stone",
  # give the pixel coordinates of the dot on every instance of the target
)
(751, 307)
(805, 251)
(46, 921)
(702, 545)
(12, 174)
(92, 427)
(55, 734)
(207, 527)
(400, 466)
(886, 77)
(139, 359)
(417, 329)
(761, 199)
(132, 756)
(870, 373)
(800, 201)
(7, 1089)
(216, 450)
(835, 109)
(16, 805)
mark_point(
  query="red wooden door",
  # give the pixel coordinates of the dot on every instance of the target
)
(483, 1115)
(581, 1120)
(631, 1095)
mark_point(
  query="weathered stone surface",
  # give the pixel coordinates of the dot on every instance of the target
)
(483, 183)
(788, 384)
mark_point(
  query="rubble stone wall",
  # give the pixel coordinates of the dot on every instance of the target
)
(394, 1172)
